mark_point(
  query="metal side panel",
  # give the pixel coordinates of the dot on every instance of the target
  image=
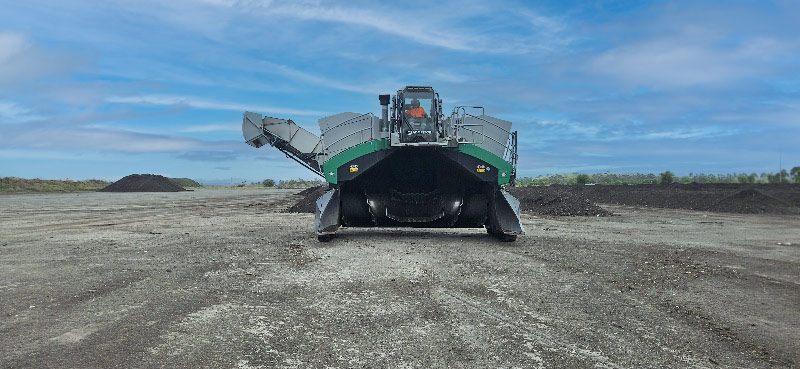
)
(258, 131)
(346, 130)
(327, 220)
(490, 133)
(252, 130)
(506, 214)
(334, 120)
(298, 137)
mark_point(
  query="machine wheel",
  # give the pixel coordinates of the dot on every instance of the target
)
(324, 237)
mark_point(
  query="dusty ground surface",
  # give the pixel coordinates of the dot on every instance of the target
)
(221, 279)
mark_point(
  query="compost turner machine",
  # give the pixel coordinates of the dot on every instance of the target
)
(412, 167)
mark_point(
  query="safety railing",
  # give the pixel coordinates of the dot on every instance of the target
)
(331, 152)
(351, 120)
(511, 155)
(458, 117)
(465, 127)
(365, 134)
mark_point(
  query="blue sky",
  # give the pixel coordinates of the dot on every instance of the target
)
(102, 89)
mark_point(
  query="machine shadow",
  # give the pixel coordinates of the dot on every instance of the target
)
(416, 235)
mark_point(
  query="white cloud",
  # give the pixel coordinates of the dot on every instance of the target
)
(55, 137)
(45, 154)
(21, 63)
(415, 28)
(14, 113)
(368, 88)
(690, 57)
(569, 127)
(11, 44)
(677, 134)
(441, 26)
(222, 127)
(198, 103)
(558, 130)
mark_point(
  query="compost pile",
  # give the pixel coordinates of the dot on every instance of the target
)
(308, 202)
(143, 183)
(556, 201)
(716, 197)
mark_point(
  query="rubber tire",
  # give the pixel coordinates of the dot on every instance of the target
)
(324, 237)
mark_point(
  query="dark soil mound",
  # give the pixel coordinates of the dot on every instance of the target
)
(752, 201)
(556, 200)
(143, 183)
(673, 196)
(308, 204)
(309, 190)
(718, 197)
(185, 182)
(747, 194)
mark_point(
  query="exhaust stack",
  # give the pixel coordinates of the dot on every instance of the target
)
(384, 112)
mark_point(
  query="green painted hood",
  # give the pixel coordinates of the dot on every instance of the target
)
(330, 167)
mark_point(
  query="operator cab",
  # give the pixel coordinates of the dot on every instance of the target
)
(417, 122)
(416, 116)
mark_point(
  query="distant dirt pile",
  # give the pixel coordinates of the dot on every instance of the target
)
(143, 183)
(185, 182)
(751, 201)
(556, 201)
(716, 197)
(308, 204)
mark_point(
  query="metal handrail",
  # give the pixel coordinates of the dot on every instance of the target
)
(505, 145)
(501, 128)
(464, 109)
(360, 131)
(510, 151)
(489, 137)
(509, 147)
(472, 130)
(347, 122)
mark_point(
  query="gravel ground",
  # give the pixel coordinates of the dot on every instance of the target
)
(223, 279)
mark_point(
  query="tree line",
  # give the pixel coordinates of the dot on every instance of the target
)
(292, 183)
(792, 176)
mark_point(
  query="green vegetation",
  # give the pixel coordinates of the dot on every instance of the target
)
(666, 177)
(14, 184)
(299, 183)
(185, 182)
(284, 183)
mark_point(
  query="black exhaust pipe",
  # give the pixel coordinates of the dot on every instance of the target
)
(384, 112)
